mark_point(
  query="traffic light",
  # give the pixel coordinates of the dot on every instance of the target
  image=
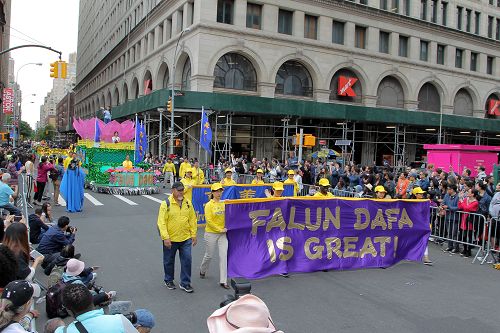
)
(169, 105)
(54, 70)
(63, 69)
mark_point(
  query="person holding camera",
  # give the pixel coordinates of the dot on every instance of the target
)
(215, 235)
(57, 237)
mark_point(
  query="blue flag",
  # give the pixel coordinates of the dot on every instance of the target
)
(205, 133)
(141, 142)
(97, 136)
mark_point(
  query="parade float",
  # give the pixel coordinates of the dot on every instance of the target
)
(102, 159)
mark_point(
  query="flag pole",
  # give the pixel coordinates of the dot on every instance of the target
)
(135, 139)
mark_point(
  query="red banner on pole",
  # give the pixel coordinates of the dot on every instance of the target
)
(494, 107)
(8, 101)
(345, 85)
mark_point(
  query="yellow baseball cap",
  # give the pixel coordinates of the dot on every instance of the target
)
(324, 182)
(418, 190)
(291, 172)
(216, 187)
(260, 171)
(380, 188)
(278, 186)
(228, 170)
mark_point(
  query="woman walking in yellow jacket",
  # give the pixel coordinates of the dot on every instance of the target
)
(188, 183)
(215, 235)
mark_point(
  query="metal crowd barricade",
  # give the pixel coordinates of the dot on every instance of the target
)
(460, 228)
(307, 190)
(493, 241)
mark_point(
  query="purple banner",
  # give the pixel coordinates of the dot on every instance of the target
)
(269, 236)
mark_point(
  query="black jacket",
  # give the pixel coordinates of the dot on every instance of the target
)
(36, 227)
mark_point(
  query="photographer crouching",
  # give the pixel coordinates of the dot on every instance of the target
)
(56, 237)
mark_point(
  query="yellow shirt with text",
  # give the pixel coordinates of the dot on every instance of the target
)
(215, 215)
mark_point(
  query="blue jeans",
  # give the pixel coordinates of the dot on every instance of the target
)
(169, 261)
(107, 120)
(11, 209)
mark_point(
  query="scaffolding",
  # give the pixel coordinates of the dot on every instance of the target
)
(400, 146)
(223, 126)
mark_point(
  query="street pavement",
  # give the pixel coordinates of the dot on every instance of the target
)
(119, 234)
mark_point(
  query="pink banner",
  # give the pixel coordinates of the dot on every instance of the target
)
(8, 101)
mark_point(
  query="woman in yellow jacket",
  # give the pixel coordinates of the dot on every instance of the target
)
(228, 181)
(291, 181)
(215, 235)
(188, 182)
(259, 179)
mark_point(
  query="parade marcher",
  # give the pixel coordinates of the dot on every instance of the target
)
(215, 235)
(183, 167)
(291, 180)
(419, 194)
(278, 189)
(169, 172)
(72, 187)
(380, 192)
(323, 192)
(177, 226)
(198, 174)
(228, 180)
(259, 178)
(188, 183)
(127, 164)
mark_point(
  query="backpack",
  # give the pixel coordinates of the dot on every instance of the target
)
(55, 275)
(53, 301)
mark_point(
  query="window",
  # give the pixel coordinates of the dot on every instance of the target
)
(383, 4)
(363, 2)
(383, 42)
(489, 65)
(285, 22)
(490, 26)
(405, 7)
(294, 79)
(460, 12)
(225, 11)
(423, 10)
(424, 50)
(403, 46)
(338, 32)
(360, 37)
(440, 54)
(497, 33)
(234, 71)
(186, 76)
(468, 20)
(254, 16)
(434, 11)
(459, 58)
(473, 61)
(444, 13)
(395, 6)
(310, 27)
(477, 22)
(491, 2)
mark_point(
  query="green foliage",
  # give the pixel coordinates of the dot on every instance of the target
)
(46, 133)
(25, 130)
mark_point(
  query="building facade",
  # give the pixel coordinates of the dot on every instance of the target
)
(4, 44)
(388, 75)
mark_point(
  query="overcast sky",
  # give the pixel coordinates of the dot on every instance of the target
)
(53, 23)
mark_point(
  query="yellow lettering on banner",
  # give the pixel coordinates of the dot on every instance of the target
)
(317, 250)
(382, 240)
(349, 245)
(313, 227)
(256, 222)
(272, 251)
(335, 249)
(277, 221)
(368, 248)
(390, 216)
(379, 220)
(291, 221)
(405, 220)
(330, 218)
(284, 244)
(359, 213)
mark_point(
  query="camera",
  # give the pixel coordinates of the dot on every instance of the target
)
(72, 230)
(132, 317)
(241, 287)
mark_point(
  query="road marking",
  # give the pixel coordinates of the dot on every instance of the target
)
(122, 198)
(93, 200)
(152, 198)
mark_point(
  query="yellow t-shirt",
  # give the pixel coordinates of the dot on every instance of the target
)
(295, 186)
(188, 188)
(182, 168)
(169, 167)
(127, 164)
(66, 162)
(215, 215)
(257, 182)
(227, 182)
(198, 175)
(177, 223)
(321, 195)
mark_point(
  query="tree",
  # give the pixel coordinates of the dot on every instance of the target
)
(45, 133)
(25, 130)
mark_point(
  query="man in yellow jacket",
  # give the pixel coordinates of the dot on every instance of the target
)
(291, 181)
(182, 169)
(198, 174)
(169, 172)
(323, 192)
(177, 226)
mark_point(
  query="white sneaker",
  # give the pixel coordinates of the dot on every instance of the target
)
(112, 294)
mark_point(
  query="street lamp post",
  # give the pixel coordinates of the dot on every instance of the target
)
(16, 127)
(172, 124)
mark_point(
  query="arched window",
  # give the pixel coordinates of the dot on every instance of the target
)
(148, 83)
(125, 93)
(428, 98)
(492, 106)
(463, 103)
(186, 76)
(343, 80)
(390, 93)
(294, 79)
(116, 97)
(162, 78)
(234, 71)
(135, 88)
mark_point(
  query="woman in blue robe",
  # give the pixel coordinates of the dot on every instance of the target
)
(72, 187)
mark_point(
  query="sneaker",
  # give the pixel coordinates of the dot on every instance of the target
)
(170, 285)
(454, 251)
(112, 294)
(187, 288)
(285, 275)
(448, 249)
(202, 275)
(427, 261)
(224, 285)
